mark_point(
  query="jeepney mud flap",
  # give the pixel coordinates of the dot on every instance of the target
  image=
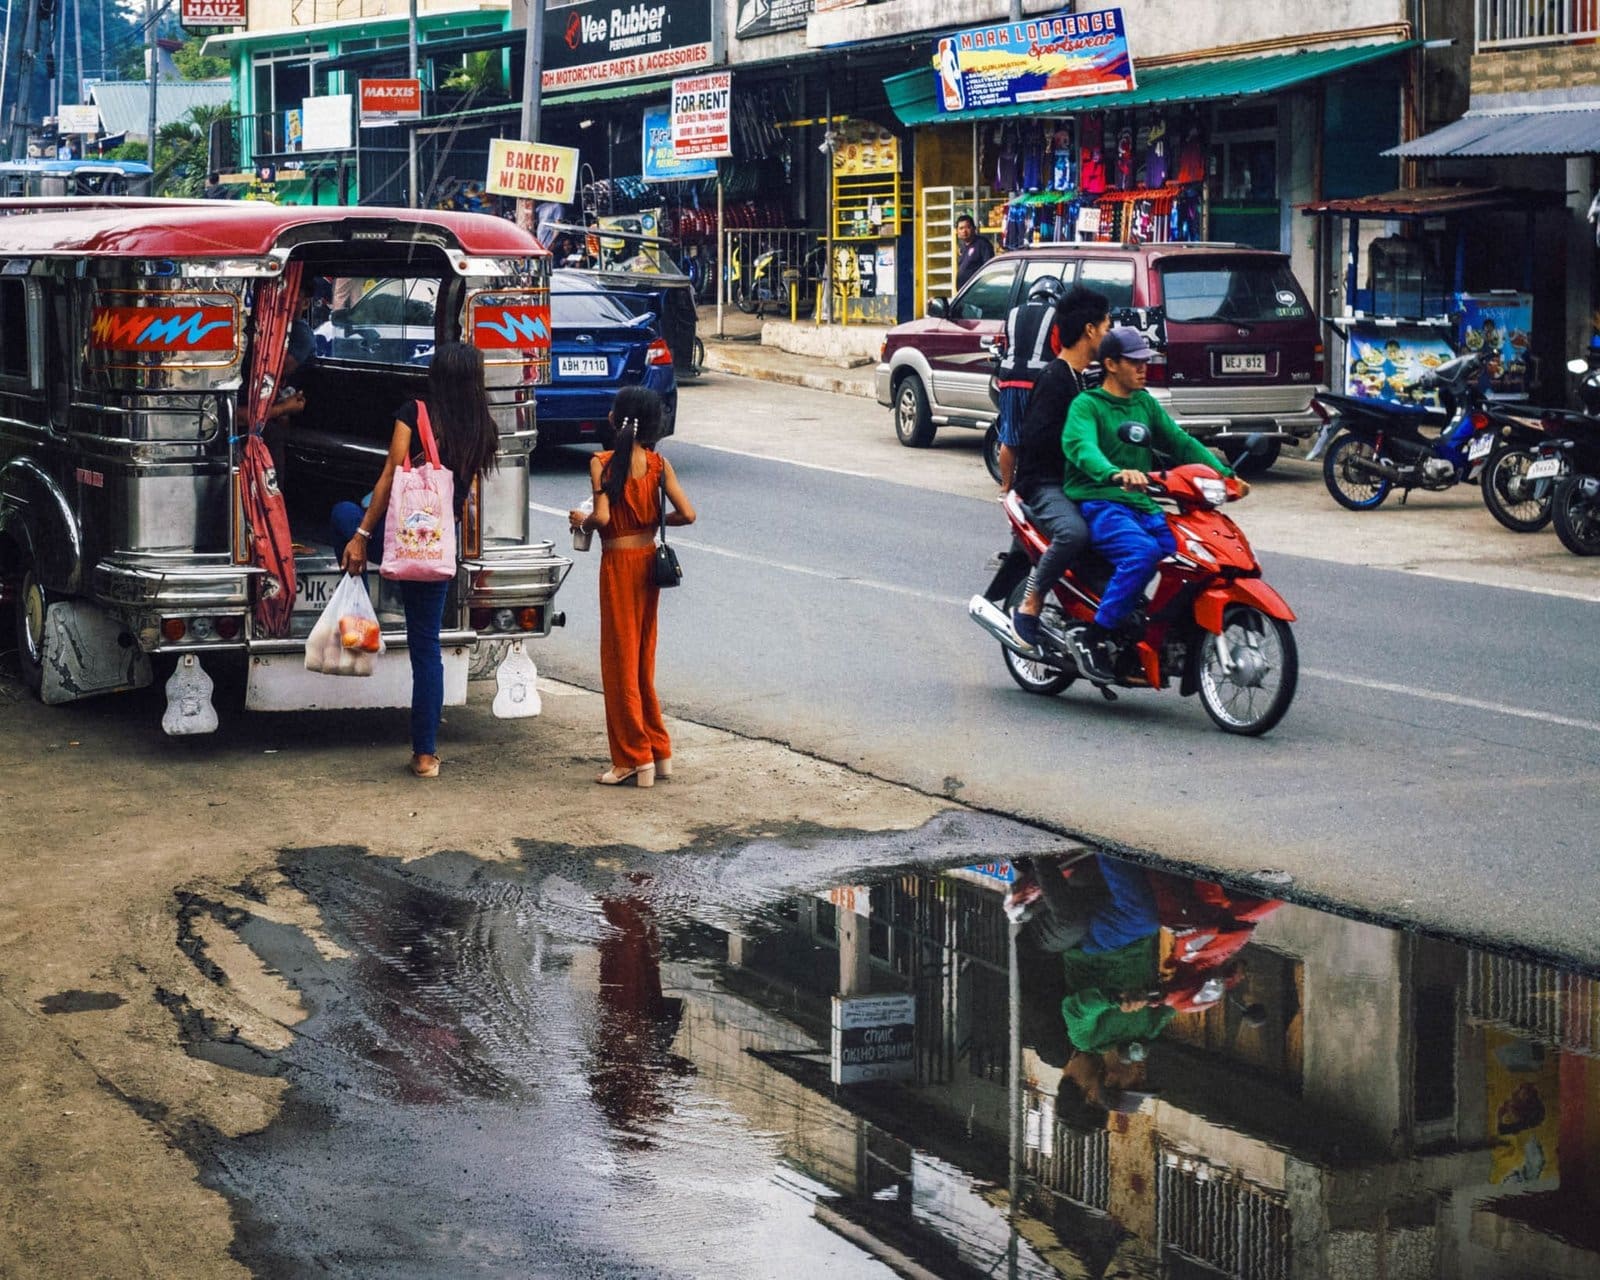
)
(280, 682)
(86, 652)
(189, 707)
(517, 680)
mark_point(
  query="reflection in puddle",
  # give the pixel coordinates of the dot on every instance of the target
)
(590, 1078)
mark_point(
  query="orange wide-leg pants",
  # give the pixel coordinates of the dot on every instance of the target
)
(628, 601)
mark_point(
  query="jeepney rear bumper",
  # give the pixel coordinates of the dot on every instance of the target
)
(502, 583)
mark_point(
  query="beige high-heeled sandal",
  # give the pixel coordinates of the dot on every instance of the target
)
(643, 775)
(664, 767)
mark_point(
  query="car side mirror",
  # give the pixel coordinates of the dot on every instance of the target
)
(938, 308)
(1133, 433)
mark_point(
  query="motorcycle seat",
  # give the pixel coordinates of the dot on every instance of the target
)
(1354, 407)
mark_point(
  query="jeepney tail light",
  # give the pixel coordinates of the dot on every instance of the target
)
(659, 352)
(173, 629)
(529, 619)
(228, 628)
(481, 619)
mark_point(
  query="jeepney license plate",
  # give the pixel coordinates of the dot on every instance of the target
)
(1544, 469)
(1481, 446)
(582, 366)
(1256, 363)
(312, 591)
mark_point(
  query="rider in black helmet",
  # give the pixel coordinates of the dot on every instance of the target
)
(1030, 345)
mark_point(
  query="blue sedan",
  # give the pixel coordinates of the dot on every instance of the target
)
(604, 336)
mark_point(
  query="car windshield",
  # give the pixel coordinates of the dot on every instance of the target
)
(1237, 292)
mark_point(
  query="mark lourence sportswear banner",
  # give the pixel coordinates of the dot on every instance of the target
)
(1065, 55)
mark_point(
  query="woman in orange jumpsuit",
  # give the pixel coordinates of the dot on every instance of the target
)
(628, 481)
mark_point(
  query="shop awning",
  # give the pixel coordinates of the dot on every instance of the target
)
(911, 94)
(1566, 130)
(1436, 202)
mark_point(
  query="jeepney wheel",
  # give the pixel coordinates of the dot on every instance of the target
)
(32, 602)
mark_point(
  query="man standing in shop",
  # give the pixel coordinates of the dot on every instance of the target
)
(972, 250)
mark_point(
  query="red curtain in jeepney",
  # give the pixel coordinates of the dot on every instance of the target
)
(266, 519)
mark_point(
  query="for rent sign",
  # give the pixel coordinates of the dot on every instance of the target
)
(532, 171)
(385, 101)
(701, 116)
(601, 41)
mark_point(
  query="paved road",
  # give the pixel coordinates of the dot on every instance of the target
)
(1439, 763)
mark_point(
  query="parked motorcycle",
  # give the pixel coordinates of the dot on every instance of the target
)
(1383, 445)
(1570, 458)
(1212, 624)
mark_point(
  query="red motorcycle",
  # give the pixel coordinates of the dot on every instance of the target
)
(1212, 623)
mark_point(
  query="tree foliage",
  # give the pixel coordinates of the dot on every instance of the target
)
(194, 65)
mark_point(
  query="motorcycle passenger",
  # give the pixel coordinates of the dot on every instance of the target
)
(1081, 322)
(1030, 343)
(1107, 477)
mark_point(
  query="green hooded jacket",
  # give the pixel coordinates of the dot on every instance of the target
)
(1094, 453)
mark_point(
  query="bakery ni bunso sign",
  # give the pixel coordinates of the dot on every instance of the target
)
(597, 41)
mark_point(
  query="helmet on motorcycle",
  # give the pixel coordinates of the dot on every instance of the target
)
(1047, 289)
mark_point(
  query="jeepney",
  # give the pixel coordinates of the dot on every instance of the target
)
(141, 343)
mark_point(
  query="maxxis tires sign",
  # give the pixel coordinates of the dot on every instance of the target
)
(602, 41)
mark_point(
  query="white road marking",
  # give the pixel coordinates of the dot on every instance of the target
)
(1454, 700)
(1359, 682)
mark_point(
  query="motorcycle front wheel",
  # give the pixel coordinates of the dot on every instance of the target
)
(1357, 490)
(1250, 694)
(1037, 677)
(1512, 499)
(1577, 517)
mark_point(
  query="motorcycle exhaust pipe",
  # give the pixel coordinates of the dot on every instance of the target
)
(998, 625)
(1369, 466)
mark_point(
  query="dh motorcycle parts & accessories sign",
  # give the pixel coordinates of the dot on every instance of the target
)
(603, 41)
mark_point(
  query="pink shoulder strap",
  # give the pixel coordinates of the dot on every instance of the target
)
(430, 451)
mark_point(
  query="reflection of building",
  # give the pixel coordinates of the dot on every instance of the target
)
(1366, 1103)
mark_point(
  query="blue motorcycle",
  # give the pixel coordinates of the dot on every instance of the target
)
(1374, 446)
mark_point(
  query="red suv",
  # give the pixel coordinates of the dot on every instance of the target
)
(1240, 347)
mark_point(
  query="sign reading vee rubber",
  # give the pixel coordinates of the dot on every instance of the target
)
(597, 41)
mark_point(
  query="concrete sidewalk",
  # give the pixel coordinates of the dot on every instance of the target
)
(741, 353)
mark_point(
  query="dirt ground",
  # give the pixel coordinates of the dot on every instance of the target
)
(107, 825)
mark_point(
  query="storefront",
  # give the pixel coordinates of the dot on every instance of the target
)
(1162, 150)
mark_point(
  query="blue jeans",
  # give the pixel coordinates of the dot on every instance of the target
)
(1013, 404)
(1131, 913)
(424, 605)
(1135, 542)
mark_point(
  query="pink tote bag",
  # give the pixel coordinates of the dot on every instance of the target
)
(419, 532)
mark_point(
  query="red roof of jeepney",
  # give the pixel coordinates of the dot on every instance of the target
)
(184, 229)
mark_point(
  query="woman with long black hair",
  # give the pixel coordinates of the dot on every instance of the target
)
(467, 439)
(629, 480)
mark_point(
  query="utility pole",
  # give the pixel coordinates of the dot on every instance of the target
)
(411, 131)
(1016, 10)
(152, 17)
(27, 55)
(60, 61)
(5, 56)
(77, 41)
(532, 88)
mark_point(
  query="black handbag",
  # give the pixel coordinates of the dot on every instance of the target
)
(665, 569)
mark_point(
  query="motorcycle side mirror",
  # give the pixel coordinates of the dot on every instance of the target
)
(1577, 366)
(1133, 433)
(938, 308)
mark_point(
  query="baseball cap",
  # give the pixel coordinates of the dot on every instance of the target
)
(1125, 343)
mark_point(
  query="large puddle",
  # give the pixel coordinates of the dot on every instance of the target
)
(595, 1072)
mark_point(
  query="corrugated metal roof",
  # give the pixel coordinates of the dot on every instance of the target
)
(125, 104)
(912, 96)
(1520, 131)
(1431, 202)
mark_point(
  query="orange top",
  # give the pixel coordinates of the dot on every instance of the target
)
(639, 508)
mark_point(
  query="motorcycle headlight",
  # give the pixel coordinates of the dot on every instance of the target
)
(1212, 491)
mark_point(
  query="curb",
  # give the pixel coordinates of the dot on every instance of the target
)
(726, 362)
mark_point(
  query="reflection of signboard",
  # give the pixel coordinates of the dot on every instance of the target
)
(532, 171)
(78, 118)
(855, 899)
(1523, 1096)
(326, 121)
(864, 148)
(601, 41)
(701, 116)
(660, 164)
(763, 17)
(1385, 362)
(162, 328)
(1064, 55)
(385, 101)
(213, 13)
(874, 1038)
(1496, 321)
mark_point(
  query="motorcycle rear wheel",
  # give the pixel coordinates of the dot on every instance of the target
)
(1037, 677)
(1577, 518)
(1507, 470)
(1267, 643)
(1350, 488)
(991, 453)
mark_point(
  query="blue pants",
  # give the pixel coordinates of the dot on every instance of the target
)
(1135, 542)
(424, 605)
(1013, 404)
(1131, 913)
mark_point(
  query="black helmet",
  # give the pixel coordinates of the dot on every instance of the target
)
(1047, 289)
